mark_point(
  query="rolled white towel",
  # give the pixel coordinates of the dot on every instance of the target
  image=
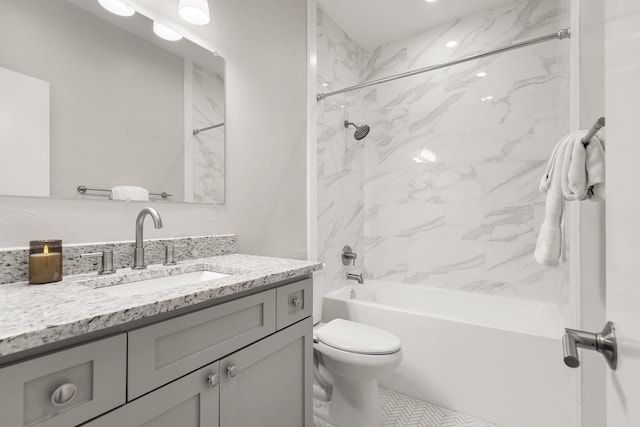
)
(574, 173)
(595, 168)
(129, 192)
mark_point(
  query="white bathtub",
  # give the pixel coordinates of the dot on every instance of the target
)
(495, 358)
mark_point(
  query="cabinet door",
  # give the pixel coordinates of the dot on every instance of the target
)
(191, 401)
(269, 384)
(164, 351)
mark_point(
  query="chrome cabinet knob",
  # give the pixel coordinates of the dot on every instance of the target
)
(232, 371)
(297, 303)
(213, 380)
(63, 394)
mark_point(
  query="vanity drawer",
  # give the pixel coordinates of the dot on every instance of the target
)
(65, 388)
(294, 302)
(164, 351)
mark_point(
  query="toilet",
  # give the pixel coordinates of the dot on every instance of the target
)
(349, 357)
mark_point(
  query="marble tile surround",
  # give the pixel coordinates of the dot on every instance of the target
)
(443, 191)
(14, 263)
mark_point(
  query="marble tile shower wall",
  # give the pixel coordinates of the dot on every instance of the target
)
(340, 156)
(208, 153)
(453, 160)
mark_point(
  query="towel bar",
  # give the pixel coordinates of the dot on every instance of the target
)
(594, 129)
(82, 189)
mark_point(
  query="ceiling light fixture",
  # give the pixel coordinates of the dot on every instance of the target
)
(165, 32)
(481, 74)
(118, 7)
(452, 43)
(429, 1)
(194, 11)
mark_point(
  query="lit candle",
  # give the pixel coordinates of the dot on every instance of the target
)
(45, 267)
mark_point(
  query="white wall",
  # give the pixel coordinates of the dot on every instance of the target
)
(264, 44)
(592, 232)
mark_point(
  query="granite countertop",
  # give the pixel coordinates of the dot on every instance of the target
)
(34, 315)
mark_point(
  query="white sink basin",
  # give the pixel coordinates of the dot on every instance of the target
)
(161, 283)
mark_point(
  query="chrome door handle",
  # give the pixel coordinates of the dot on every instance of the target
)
(63, 394)
(603, 342)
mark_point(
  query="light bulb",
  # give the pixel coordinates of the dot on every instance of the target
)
(117, 7)
(194, 11)
(165, 32)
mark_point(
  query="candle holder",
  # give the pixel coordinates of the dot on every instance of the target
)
(45, 261)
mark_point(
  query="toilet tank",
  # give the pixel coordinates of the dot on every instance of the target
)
(318, 293)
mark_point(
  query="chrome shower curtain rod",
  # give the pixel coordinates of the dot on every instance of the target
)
(562, 34)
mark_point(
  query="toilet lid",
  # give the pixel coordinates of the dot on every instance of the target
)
(357, 338)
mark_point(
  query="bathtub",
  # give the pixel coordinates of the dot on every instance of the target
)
(495, 358)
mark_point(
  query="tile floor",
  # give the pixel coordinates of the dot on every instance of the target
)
(401, 410)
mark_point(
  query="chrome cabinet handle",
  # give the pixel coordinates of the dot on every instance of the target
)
(63, 394)
(297, 302)
(232, 371)
(213, 380)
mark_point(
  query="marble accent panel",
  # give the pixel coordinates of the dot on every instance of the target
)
(208, 146)
(452, 163)
(31, 316)
(14, 263)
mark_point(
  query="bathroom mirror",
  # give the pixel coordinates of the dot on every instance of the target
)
(98, 100)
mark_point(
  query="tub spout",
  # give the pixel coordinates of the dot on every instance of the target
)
(357, 277)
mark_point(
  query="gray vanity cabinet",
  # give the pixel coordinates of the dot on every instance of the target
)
(191, 401)
(269, 383)
(243, 363)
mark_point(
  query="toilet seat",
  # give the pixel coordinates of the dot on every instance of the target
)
(357, 338)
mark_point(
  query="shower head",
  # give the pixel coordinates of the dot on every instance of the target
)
(361, 131)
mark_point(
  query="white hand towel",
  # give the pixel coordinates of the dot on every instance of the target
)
(574, 172)
(129, 192)
(550, 245)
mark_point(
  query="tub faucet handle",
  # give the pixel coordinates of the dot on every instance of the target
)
(603, 342)
(348, 256)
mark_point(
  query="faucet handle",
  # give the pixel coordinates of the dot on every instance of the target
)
(169, 253)
(106, 256)
(348, 256)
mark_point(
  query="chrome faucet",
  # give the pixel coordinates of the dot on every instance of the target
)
(138, 254)
(357, 277)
